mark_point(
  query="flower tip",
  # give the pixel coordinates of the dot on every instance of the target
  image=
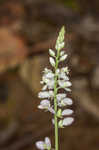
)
(62, 30)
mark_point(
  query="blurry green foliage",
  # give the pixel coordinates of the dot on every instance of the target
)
(69, 3)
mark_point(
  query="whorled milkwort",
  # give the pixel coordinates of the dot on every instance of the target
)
(52, 99)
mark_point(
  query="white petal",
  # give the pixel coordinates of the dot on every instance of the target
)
(65, 69)
(60, 104)
(40, 145)
(68, 83)
(41, 82)
(68, 101)
(46, 70)
(68, 121)
(60, 96)
(63, 57)
(50, 84)
(53, 121)
(51, 110)
(63, 76)
(44, 87)
(45, 103)
(51, 52)
(57, 71)
(49, 75)
(45, 80)
(51, 93)
(52, 62)
(48, 142)
(62, 53)
(62, 83)
(67, 112)
(44, 94)
(40, 107)
(67, 89)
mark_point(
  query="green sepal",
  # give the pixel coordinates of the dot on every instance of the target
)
(59, 113)
(60, 124)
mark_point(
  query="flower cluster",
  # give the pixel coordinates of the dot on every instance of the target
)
(46, 144)
(53, 81)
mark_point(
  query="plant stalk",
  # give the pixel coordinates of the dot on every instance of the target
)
(55, 102)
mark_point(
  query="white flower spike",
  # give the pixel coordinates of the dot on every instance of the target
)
(53, 100)
(46, 144)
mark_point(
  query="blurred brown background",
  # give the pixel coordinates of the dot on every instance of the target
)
(28, 28)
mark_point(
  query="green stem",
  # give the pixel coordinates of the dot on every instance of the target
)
(55, 102)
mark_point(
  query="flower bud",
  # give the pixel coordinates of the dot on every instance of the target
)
(63, 57)
(52, 62)
(51, 52)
